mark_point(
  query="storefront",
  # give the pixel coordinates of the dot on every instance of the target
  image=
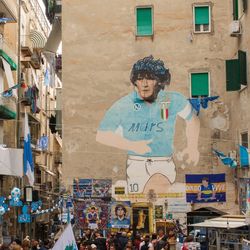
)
(224, 233)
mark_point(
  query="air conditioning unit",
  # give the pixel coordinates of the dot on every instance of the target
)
(235, 28)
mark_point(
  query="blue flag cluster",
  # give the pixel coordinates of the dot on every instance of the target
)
(226, 160)
(197, 103)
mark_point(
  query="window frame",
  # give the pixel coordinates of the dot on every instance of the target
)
(152, 17)
(209, 14)
(190, 81)
(242, 133)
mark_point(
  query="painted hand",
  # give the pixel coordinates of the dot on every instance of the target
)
(141, 147)
(193, 155)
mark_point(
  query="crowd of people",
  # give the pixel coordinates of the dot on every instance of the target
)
(28, 244)
(123, 240)
(94, 240)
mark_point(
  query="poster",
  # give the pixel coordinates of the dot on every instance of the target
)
(92, 188)
(158, 212)
(92, 214)
(120, 214)
(141, 219)
(243, 184)
(202, 188)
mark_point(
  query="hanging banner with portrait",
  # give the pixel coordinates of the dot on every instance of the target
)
(92, 188)
(92, 214)
(201, 188)
(158, 212)
(120, 214)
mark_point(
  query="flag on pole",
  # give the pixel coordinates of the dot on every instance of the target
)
(244, 156)
(66, 241)
(28, 164)
(226, 160)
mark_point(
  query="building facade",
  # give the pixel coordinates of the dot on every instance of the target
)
(197, 41)
(34, 73)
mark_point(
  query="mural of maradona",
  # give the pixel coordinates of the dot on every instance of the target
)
(143, 124)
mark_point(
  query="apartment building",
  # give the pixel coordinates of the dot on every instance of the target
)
(204, 44)
(35, 72)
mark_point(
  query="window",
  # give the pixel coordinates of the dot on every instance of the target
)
(199, 84)
(236, 72)
(202, 18)
(239, 8)
(244, 139)
(144, 21)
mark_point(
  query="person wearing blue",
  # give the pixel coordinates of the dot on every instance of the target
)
(143, 123)
(206, 191)
(121, 220)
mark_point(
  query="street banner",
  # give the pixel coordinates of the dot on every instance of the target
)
(92, 188)
(120, 214)
(202, 188)
(92, 214)
(66, 240)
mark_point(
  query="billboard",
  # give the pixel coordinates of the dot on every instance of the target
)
(202, 188)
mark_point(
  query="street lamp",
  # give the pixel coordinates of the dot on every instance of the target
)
(28, 190)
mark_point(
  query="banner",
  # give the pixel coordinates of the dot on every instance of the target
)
(92, 188)
(66, 240)
(158, 212)
(93, 214)
(120, 214)
(202, 188)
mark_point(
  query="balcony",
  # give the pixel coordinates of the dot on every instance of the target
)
(8, 9)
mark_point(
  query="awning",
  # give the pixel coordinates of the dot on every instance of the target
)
(222, 222)
(6, 113)
(37, 39)
(9, 76)
(8, 59)
(11, 161)
(54, 38)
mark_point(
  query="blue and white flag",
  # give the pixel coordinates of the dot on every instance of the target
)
(66, 240)
(225, 159)
(28, 164)
(244, 156)
(197, 103)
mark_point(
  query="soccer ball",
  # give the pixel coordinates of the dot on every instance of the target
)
(15, 192)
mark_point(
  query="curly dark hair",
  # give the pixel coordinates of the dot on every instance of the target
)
(150, 69)
(122, 207)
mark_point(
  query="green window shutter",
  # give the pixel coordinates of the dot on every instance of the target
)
(232, 75)
(199, 84)
(235, 10)
(144, 21)
(201, 15)
(243, 67)
(244, 5)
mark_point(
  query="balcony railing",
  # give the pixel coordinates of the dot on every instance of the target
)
(41, 17)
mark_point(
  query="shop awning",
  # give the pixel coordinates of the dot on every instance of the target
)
(11, 161)
(222, 222)
(37, 39)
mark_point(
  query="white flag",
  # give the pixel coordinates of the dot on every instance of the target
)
(66, 240)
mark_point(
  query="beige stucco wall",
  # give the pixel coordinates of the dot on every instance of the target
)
(99, 48)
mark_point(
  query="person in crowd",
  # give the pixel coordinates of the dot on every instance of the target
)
(146, 244)
(161, 240)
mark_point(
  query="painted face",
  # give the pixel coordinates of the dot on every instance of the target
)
(146, 88)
